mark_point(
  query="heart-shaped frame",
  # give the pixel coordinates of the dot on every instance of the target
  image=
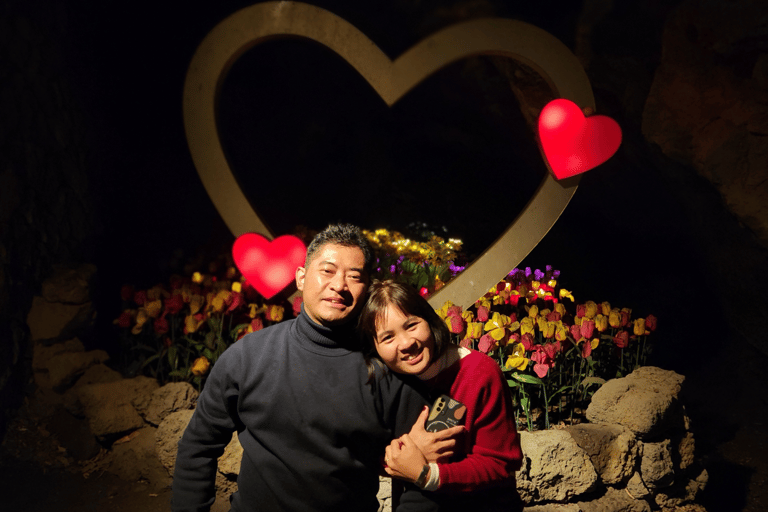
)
(520, 41)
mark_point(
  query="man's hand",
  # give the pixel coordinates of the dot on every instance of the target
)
(435, 446)
(403, 459)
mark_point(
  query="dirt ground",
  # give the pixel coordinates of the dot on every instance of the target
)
(725, 398)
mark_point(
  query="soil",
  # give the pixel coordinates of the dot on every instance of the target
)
(724, 397)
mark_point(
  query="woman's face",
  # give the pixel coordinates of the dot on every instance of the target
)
(404, 342)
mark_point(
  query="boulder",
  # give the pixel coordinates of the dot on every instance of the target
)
(64, 369)
(612, 449)
(656, 466)
(554, 467)
(170, 398)
(69, 285)
(114, 407)
(43, 352)
(168, 435)
(133, 458)
(229, 462)
(645, 402)
(615, 500)
(682, 493)
(53, 320)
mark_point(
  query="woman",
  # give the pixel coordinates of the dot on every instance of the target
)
(402, 330)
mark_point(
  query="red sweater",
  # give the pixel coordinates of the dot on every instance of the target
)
(492, 445)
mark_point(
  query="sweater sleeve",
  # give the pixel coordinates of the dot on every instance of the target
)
(207, 434)
(494, 452)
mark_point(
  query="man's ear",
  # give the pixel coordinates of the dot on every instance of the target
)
(300, 273)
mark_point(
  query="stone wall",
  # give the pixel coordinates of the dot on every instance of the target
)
(46, 215)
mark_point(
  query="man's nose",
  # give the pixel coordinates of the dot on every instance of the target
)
(338, 282)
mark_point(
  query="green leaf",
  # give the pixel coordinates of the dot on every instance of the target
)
(178, 373)
(588, 381)
(527, 379)
(208, 354)
(150, 359)
(512, 383)
(235, 329)
(173, 357)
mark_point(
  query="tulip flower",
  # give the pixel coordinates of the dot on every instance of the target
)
(581, 310)
(486, 343)
(621, 339)
(201, 366)
(650, 322)
(590, 309)
(161, 325)
(560, 308)
(297, 301)
(193, 322)
(141, 318)
(140, 298)
(561, 331)
(639, 327)
(601, 323)
(482, 313)
(474, 330)
(527, 326)
(587, 328)
(125, 319)
(614, 318)
(576, 333)
(455, 324)
(625, 315)
(605, 308)
(174, 303)
(274, 313)
(497, 325)
(517, 358)
(527, 341)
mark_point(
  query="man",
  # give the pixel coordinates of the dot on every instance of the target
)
(313, 432)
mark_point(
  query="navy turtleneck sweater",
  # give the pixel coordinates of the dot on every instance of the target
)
(313, 432)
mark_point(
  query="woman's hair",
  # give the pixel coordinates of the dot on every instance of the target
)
(404, 297)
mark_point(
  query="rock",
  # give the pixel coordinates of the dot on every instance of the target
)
(133, 458)
(636, 487)
(612, 449)
(68, 285)
(554, 467)
(96, 374)
(656, 466)
(64, 369)
(52, 320)
(553, 507)
(229, 462)
(615, 500)
(686, 447)
(168, 435)
(685, 492)
(111, 408)
(42, 352)
(170, 398)
(702, 111)
(645, 402)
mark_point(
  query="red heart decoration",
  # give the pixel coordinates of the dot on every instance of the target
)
(573, 143)
(268, 266)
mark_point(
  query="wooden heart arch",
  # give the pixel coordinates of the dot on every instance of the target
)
(516, 40)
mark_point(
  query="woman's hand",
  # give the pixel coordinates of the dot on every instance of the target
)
(435, 446)
(403, 459)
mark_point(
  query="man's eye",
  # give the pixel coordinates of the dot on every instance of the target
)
(355, 277)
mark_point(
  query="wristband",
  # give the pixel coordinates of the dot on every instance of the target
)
(422, 480)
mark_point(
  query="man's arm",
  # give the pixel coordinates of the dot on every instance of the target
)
(208, 433)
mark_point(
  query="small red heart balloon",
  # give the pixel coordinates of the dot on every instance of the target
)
(573, 143)
(268, 266)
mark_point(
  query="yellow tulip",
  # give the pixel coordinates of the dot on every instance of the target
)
(560, 308)
(196, 303)
(639, 327)
(535, 285)
(527, 326)
(548, 331)
(443, 311)
(595, 342)
(561, 333)
(591, 309)
(542, 323)
(197, 277)
(154, 308)
(467, 315)
(517, 359)
(578, 320)
(237, 287)
(141, 319)
(497, 325)
(606, 308)
(192, 323)
(274, 313)
(614, 318)
(200, 366)
(474, 330)
(498, 300)
(533, 311)
(565, 293)
(601, 323)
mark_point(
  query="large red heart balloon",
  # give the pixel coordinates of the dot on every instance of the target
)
(268, 266)
(573, 143)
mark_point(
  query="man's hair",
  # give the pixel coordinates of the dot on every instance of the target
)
(346, 235)
(407, 299)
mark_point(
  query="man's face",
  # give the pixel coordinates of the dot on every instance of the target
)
(333, 284)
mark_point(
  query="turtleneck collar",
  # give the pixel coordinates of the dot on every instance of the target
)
(332, 341)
